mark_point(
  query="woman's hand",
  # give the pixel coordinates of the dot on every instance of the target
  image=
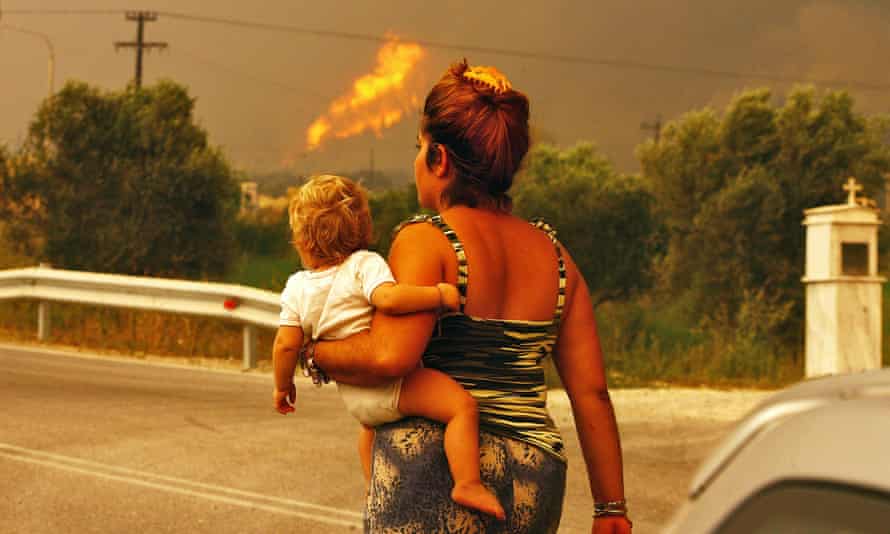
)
(611, 525)
(284, 400)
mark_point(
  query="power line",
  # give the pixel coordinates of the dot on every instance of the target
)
(605, 62)
(62, 12)
(281, 28)
(525, 54)
(248, 77)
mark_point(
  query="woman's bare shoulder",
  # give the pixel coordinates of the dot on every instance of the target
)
(416, 231)
(419, 253)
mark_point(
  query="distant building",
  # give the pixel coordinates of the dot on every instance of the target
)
(278, 204)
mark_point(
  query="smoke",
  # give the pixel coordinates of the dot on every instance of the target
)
(258, 91)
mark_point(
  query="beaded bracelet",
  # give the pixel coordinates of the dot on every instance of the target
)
(610, 509)
(309, 367)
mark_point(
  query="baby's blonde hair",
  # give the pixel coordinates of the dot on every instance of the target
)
(330, 218)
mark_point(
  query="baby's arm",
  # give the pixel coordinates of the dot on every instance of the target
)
(285, 355)
(396, 299)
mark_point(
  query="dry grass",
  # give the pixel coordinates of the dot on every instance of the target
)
(140, 334)
(216, 343)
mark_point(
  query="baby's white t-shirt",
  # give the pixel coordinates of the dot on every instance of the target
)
(336, 302)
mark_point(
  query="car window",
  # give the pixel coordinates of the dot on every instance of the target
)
(811, 508)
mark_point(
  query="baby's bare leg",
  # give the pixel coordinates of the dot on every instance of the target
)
(435, 395)
(365, 448)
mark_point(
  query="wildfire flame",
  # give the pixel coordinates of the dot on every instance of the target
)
(376, 101)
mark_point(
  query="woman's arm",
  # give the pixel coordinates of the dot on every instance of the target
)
(394, 344)
(579, 361)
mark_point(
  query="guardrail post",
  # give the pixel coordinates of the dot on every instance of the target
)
(43, 321)
(249, 347)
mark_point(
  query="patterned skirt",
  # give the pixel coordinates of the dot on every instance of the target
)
(411, 484)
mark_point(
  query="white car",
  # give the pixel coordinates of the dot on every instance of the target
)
(811, 459)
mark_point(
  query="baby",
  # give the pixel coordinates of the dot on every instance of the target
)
(335, 297)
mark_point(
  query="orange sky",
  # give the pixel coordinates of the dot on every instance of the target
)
(259, 91)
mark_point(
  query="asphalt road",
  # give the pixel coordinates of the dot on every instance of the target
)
(92, 444)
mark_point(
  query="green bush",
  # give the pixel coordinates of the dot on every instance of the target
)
(264, 271)
(645, 343)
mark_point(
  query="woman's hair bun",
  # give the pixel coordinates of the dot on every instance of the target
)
(487, 78)
(482, 122)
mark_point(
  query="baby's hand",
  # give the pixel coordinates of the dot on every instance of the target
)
(284, 399)
(450, 296)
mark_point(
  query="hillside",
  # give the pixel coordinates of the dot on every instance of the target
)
(275, 184)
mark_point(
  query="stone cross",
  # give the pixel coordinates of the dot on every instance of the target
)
(852, 188)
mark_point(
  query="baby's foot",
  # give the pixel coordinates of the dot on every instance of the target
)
(450, 296)
(475, 495)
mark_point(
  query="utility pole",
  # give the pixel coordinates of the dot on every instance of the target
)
(654, 126)
(141, 17)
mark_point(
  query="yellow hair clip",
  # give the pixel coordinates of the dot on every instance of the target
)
(489, 77)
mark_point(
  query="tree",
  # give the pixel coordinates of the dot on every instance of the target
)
(264, 232)
(122, 182)
(4, 168)
(733, 190)
(8, 259)
(604, 218)
(388, 209)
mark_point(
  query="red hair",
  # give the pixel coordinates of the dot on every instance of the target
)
(485, 131)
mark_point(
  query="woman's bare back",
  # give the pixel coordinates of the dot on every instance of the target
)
(512, 265)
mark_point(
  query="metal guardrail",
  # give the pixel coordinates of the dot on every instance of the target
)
(253, 307)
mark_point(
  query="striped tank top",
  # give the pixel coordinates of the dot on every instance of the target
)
(499, 361)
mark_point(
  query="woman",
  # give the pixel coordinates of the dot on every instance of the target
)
(522, 299)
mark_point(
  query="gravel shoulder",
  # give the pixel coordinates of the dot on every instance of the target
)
(667, 405)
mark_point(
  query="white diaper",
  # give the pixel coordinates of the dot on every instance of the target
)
(375, 405)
